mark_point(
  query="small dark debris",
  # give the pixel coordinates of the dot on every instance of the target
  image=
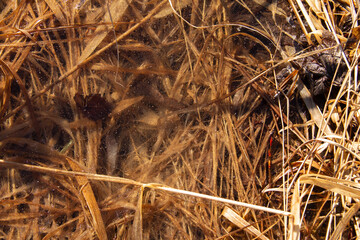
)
(93, 106)
(23, 208)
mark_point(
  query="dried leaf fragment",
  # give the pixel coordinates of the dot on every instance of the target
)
(233, 217)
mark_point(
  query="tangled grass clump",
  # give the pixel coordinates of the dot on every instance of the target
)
(179, 119)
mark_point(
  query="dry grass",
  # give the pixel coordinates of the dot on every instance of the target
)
(207, 137)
